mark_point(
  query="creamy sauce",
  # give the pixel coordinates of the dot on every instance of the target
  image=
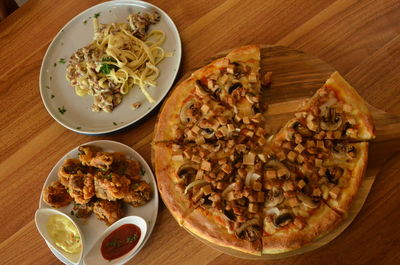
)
(64, 234)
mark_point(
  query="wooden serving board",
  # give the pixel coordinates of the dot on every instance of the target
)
(295, 77)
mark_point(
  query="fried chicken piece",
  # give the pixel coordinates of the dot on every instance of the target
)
(108, 211)
(139, 194)
(102, 160)
(111, 186)
(86, 154)
(81, 188)
(56, 195)
(70, 168)
(83, 210)
(126, 167)
(133, 170)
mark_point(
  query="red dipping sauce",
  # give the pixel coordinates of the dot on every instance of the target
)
(120, 241)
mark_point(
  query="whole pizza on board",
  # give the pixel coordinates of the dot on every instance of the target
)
(226, 180)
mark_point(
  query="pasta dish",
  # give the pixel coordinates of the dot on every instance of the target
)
(120, 56)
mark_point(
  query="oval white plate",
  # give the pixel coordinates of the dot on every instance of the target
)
(58, 94)
(94, 255)
(92, 228)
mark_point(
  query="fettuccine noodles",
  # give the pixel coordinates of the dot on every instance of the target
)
(121, 56)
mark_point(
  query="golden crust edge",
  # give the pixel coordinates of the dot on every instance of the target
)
(208, 229)
(166, 185)
(299, 238)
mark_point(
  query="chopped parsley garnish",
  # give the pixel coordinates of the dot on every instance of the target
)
(131, 238)
(47, 87)
(109, 176)
(85, 21)
(142, 171)
(114, 243)
(96, 15)
(115, 123)
(62, 110)
(52, 96)
(55, 64)
(72, 213)
(106, 68)
(79, 127)
(62, 60)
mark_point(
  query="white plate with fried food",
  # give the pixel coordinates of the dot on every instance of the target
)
(109, 178)
(110, 66)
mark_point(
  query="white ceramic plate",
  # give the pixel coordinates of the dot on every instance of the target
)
(91, 227)
(58, 94)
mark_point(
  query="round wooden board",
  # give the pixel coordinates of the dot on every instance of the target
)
(295, 77)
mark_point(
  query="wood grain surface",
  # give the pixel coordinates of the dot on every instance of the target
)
(359, 38)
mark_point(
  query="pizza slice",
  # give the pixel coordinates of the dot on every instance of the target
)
(332, 169)
(336, 111)
(338, 167)
(294, 214)
(226, 89)
(213, 186)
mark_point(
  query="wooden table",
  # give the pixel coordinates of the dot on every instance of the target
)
(361, 39)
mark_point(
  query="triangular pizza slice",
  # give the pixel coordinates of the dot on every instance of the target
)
(336, 111)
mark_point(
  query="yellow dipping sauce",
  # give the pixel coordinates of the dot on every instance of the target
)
(64, 233)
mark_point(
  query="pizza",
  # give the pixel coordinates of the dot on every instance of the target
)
(228, 181)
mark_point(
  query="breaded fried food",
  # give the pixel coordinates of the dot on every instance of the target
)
(56, 195)
(108, 211)
(71, 167)
(126, 167)
(81, 188)
(111, 186)
(139, 194)
(83, 210)
(86, 154)
(102, 160)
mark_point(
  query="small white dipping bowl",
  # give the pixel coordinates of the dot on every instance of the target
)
(94, 255)
(41, 218)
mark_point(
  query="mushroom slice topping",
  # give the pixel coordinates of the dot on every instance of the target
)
(249, 230)
(207, 133)
(283, 219)
(333, 174)
(312, 123)
(201, 90)
(274, 197)
(308, 201)
(331, 121)
(233, 87)
(188, 111)
(304, 131)
(187, 172)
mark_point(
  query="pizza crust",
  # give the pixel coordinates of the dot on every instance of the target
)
(170, 110)
(205, 225)
(320, 223)
(167, 181)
